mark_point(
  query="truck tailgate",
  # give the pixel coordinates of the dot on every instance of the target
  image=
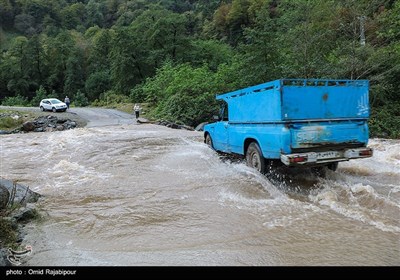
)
(328, 134)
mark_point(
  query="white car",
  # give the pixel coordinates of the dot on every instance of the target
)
(52, 104)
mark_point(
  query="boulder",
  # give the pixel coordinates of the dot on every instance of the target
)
(200, 127)
(3, 257)
(4, 197)
(70, 124)
(61, 120)
(23, 194)
(28, 126)
(25, 214)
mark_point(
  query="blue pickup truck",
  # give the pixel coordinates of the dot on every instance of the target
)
(298, 122)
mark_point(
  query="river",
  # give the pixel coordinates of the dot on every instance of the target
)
(130, 195)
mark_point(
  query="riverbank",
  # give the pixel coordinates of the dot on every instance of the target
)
(13, 117)
(17, 208)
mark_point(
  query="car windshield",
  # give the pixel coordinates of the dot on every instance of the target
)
(55, 101)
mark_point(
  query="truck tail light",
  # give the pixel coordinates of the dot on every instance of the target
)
(298, 159)
(366, 153)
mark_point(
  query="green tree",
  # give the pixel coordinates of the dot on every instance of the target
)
(58, 50)
(6, 13)
(80, 99)
(36, 63)
(306, 28)
(128, 66)
(94, 13)
(210, 52)
(73, 16)
(41, 93)
(14, 62)
(97, 83)
(388, 55)
(101, 44)
(111, 11)
(74, 73)
(129, 11)
(230, 76)
(3, 80)
(232, 17)
(238, 17)
(40, 9)
(163, 34)
(50, 26)
(99, 63)
(25, 24)
(261, 50)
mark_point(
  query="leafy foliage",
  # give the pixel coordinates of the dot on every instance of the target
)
(41, 93)
(180, 93)
(9, 123)
(15, 101)
(80, 99)
(385, 122)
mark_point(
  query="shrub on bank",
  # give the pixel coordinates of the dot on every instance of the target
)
(385, 121)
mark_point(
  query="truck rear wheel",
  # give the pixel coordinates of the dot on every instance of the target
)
(333, 166)
(254, 157)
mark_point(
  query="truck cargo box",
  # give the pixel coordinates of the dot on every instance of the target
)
(295, 99)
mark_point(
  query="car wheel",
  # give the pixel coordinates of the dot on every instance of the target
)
(254, 158)
(54, 110)
(208, 141)
(42, 108)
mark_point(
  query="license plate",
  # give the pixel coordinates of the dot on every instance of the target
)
(330, 154)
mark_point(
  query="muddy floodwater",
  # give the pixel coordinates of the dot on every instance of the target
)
(129, 195)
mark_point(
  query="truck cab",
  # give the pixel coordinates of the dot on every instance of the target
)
(299, 122)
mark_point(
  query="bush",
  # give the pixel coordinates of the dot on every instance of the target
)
(8, 235)
(41, 93)
(81, 99)
(137, 94)
(97, 83)
(10, 123)
(15, 101)
(111, 99)
(385, 121)
(181, 94)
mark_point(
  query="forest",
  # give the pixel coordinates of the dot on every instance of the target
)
(176, 55)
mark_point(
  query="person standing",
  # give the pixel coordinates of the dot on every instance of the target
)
(136, 108)
(67, 101)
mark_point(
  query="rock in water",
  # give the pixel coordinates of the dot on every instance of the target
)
(4, 197)
(28, 126)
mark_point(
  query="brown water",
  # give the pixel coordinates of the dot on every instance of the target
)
(150, 195)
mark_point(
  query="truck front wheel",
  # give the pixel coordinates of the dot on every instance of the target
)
(208, 141)
(254, 157)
